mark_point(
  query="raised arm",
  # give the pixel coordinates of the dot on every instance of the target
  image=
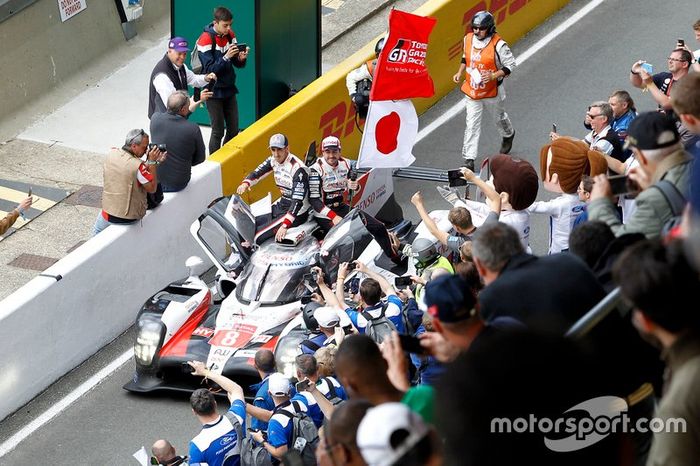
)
(232, 389)
(417, 200)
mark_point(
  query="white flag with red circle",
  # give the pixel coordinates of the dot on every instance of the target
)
(390, 131)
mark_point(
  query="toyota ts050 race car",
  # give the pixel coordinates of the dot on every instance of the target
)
(256, 299)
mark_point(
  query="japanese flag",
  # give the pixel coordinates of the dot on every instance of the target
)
(390, 132)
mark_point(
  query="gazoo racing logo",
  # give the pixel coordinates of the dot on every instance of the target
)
(408, 52)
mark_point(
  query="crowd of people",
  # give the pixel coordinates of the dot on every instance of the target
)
(416, 375)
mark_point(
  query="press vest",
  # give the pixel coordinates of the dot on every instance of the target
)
(481, 60)
(178, 78)
(123, 196)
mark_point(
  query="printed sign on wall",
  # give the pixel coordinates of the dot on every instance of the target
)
(70, 8)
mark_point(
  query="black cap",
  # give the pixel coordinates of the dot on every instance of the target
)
(652, 130)
(449, 298)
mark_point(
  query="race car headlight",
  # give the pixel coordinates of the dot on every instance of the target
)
(286, 353)
(148, 338)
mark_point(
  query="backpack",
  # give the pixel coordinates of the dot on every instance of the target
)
(676, 202)
(235, 451)
(195, 59)
(253, 454)
(378, 328)
(304, 434)
(334, 398)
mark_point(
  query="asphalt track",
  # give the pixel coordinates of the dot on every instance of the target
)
(585, 63)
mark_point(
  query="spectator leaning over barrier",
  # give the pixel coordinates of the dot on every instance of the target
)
(164, 453)
(292, 179)
(603, 138)
(183, 140)
(11, 217)
(661, 291)
(171, 74)
(660, 84)
(219, 54)
(623, 113)
(656, 145)
(221, 436)
(487, 61)
(127, 180)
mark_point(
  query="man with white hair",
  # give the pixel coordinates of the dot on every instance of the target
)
(656, 145)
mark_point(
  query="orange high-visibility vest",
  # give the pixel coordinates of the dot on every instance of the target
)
(371, 64)
(482, 60)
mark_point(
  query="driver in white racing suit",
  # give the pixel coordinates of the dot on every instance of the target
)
(292, 179)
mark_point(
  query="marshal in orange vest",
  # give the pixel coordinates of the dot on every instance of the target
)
(482, 60)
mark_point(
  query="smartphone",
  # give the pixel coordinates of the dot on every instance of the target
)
(306, 299)
(302, 385)
(411, 344)
(242, 46)
(186, 368)
(681, 43)
(210, 85)
(554, 127)
(29, 193)
(621, 184)
(351, 266)
(454, 178)
(648, 68)
(402, 282)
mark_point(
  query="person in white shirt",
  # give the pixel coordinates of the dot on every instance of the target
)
(562, 163)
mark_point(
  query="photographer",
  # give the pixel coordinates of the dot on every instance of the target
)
(127, 179)
(359, 81)
(371, 290)
(183, 140)
(655, 142)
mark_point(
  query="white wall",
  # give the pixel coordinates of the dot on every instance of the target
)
(48, 327)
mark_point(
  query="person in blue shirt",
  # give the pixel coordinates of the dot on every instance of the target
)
(280, 428)
(623, 113)
(371, 289)
(221, 436)
(265, 364)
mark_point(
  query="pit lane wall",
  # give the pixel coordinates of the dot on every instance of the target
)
(49, 327)
(323, 107)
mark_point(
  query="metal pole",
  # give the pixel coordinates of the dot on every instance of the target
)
(599, 312)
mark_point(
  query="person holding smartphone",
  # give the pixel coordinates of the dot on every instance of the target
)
(13, 215)
(220, 54)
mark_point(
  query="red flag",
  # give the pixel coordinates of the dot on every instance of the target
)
(401, 71)
(390, 132)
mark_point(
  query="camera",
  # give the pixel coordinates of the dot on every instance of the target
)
(161, 147)
(302, 385)
(351, 266)
(621, 184)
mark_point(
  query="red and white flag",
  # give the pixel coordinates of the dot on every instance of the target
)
(391, 129)
(401, 71)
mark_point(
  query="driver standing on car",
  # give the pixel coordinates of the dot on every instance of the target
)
(292, 179)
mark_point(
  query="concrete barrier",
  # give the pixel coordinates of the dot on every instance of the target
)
(49, 327)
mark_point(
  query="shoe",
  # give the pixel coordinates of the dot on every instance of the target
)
(507, 144)
(469, 163)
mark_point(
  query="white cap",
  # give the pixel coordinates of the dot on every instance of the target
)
(330, 141)
(326, 317)
(278, 384)
(386, 423)
(278, 141)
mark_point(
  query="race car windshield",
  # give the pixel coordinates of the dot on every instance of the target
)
(275, 273)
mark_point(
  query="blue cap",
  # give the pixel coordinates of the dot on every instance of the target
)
(449, 298)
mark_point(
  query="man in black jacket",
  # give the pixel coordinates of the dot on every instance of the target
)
(219, 53)
(183, 140)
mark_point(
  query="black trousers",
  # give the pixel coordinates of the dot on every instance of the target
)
(222, 112)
